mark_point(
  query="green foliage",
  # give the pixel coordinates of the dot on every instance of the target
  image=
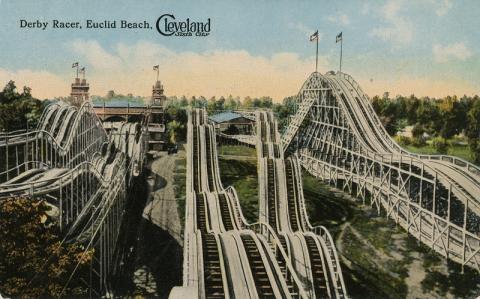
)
(418, 130)
(440, 145)
(418, 141)
(284, 111)
(33, 262)
(473, 130)
(242, 174)
(180, 187)
(237, 150)
(16, 109)
(402, 140)
(173, 128)
(176, 119)
(446, 117)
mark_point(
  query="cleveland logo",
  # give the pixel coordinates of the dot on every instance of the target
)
(168, 26)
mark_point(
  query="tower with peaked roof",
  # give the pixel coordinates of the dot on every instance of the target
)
(79, 92)
(156, 126)
(158, 98)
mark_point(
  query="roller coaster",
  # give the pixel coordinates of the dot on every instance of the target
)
(82, 173)
(282, 205)
(336, 136)
(224, 255)
(339, 138)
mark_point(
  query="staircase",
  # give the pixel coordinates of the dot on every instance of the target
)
(296, 122)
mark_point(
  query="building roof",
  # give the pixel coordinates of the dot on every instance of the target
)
(225, 117)
(119, 103)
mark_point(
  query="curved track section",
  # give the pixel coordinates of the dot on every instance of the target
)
(224, 256)
(341, 140)
(82, 174)
(66, 137)
(281, 204)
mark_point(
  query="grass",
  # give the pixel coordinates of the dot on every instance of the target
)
(237, 150)
(461, 151)
(180, 186)
(241, 174)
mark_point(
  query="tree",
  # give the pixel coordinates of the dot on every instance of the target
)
(173, 128)
(429, 115)
(33, 262)
(110, 94)
(247, 102)
(231, 103)
(411, 106)
(440, 145)
(389, 124)
(183, 102)
(473, 131)
(16, 109)
(417, 131)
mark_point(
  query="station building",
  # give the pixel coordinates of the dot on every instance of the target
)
(232, 123)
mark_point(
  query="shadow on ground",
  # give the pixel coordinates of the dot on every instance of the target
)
(149, 259)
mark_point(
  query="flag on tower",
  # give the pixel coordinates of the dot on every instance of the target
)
(314, 36)
(75, 65)
(339, 38)
(155, 67)
(82, 70)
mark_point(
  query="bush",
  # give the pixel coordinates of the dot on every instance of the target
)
(34, 263)
(440, 145)
(402, 140)
(418, 141)
(417, 131)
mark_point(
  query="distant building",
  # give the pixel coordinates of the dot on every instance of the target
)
(232, 123)
(119, 109)
(123, 109)
(79, 92)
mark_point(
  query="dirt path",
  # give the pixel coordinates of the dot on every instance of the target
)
(161, 209)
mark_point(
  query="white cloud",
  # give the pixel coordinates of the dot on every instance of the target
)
(94, 54)
(442, 7)
(398, 29)
(127, 68)
(43, 83)
(341, 19)
(446, 53)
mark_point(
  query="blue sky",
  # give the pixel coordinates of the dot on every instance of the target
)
(425, 47)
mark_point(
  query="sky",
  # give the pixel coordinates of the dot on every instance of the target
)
(255, 48)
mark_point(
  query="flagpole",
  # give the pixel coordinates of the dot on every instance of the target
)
(341, 50)
(77, 70)
(316, 58)
(157, 72)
